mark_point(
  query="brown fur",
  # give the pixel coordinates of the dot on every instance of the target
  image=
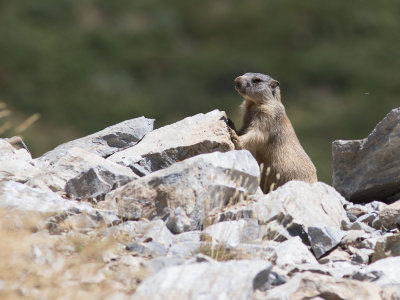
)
(267, 131)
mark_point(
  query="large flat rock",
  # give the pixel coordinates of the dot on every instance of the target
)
(202, 133)
(369, 169)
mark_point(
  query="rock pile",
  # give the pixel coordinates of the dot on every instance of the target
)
(176, 213)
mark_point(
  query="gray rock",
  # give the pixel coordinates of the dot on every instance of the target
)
(375, 206)
(323, 239)
(156, 231)
(316, 286)
(285, 213)
(370, 243)
(185, 244)
(178, 221)
(10, 152)
(214, 280)
(105, 142)
(81, 220)
(275, 279)
(313, 212)
(98, 180)
(286, 255)
(143, 232)
(354, 238)
(368, 218)
(197, 185)
(380, 177)
(184, 249)
(232, 233)
(234, 212)
(343, 269)
(153, 249)
(82, 175)
(293, 252)
(388, 245)
(355, 212)
(326, 269)
(202, 133)
(127, 230)
(389, 216)
(199, 258)
(384, 272)
(335, 256)
(265, 250)
(376, 223)
(159, 263)
(357, 225)
(14, 195)
(109, 217)
(190, 236)
(16, 163)
(361, 256)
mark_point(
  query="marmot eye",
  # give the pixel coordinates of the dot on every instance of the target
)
(256, 80)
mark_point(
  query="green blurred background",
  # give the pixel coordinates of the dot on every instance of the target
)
(84, 65)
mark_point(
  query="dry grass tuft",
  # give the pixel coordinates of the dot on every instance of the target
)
(37, 265)
(7, 125)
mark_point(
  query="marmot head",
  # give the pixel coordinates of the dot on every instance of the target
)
(258, 88)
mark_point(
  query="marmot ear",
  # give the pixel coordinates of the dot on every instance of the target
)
(273, 84)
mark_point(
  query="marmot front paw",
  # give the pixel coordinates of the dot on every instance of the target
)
(234, 138)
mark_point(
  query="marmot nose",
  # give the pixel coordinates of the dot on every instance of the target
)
(238, 82)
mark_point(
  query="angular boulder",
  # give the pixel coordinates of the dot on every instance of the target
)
(197, 185)
(207, 281)
(82, 174)
(202, 133)
(105, 142)
(324, 238)
(369, 169)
